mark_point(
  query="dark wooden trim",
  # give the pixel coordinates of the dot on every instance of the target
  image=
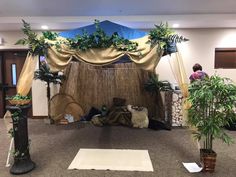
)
(3, 93)
(1, 83)
(225, 49)
(39, 117)
(225, 58)
(13, 50)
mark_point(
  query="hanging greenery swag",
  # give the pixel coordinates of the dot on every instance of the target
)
(165, 37)
(161, 35)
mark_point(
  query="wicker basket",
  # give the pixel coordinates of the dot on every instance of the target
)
(19, 102)
(208, 160)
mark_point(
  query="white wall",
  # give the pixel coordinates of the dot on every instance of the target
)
(39, 95)
(39, 98)
(200, 49)
(9, 39)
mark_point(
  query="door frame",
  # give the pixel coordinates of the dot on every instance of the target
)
(3, 93)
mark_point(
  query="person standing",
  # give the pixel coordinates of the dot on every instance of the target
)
(197, 74)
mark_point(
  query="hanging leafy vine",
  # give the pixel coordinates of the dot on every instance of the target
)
(99, 39)
(161, 35)
(37, 45)
(164, 37)
(15, 117)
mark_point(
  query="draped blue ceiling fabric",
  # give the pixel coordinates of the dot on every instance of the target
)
(109, 28)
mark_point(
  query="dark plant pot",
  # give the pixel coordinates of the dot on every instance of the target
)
(170, 48)
(22, 161)
(208, 159)
(231, 126)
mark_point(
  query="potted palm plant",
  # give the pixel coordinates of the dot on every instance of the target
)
(213, 103)
(44, 74)
(155, 86)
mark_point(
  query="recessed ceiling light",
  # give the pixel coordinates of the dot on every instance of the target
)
(175, 25)
(45, 27)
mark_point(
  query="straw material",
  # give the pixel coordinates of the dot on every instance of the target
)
(75, 110)
(58, 104)
(94, 86)
(19, 102)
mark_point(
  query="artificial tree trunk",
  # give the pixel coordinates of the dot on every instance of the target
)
(48, 91)
(48, 97)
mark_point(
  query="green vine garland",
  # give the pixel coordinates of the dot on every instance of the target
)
(161, 35)
(99, 39)
(37, 45)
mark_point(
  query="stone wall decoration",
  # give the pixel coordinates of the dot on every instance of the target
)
(177, 113)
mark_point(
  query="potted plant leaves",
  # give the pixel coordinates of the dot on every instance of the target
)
(213, 103)
(158, 88)
(44, 74)
(19, 99)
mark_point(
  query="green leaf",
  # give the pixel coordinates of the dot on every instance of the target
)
(21, 42)
(213, 105)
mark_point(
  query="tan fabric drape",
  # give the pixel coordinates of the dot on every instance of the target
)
(146, 57)
(176, 63)
(27, 74)
(177, 67)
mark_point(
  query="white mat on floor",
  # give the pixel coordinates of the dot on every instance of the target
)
(112, 159)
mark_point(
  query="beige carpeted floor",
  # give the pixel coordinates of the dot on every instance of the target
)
(53, 147)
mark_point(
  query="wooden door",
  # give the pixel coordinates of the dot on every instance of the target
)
(11, 63)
